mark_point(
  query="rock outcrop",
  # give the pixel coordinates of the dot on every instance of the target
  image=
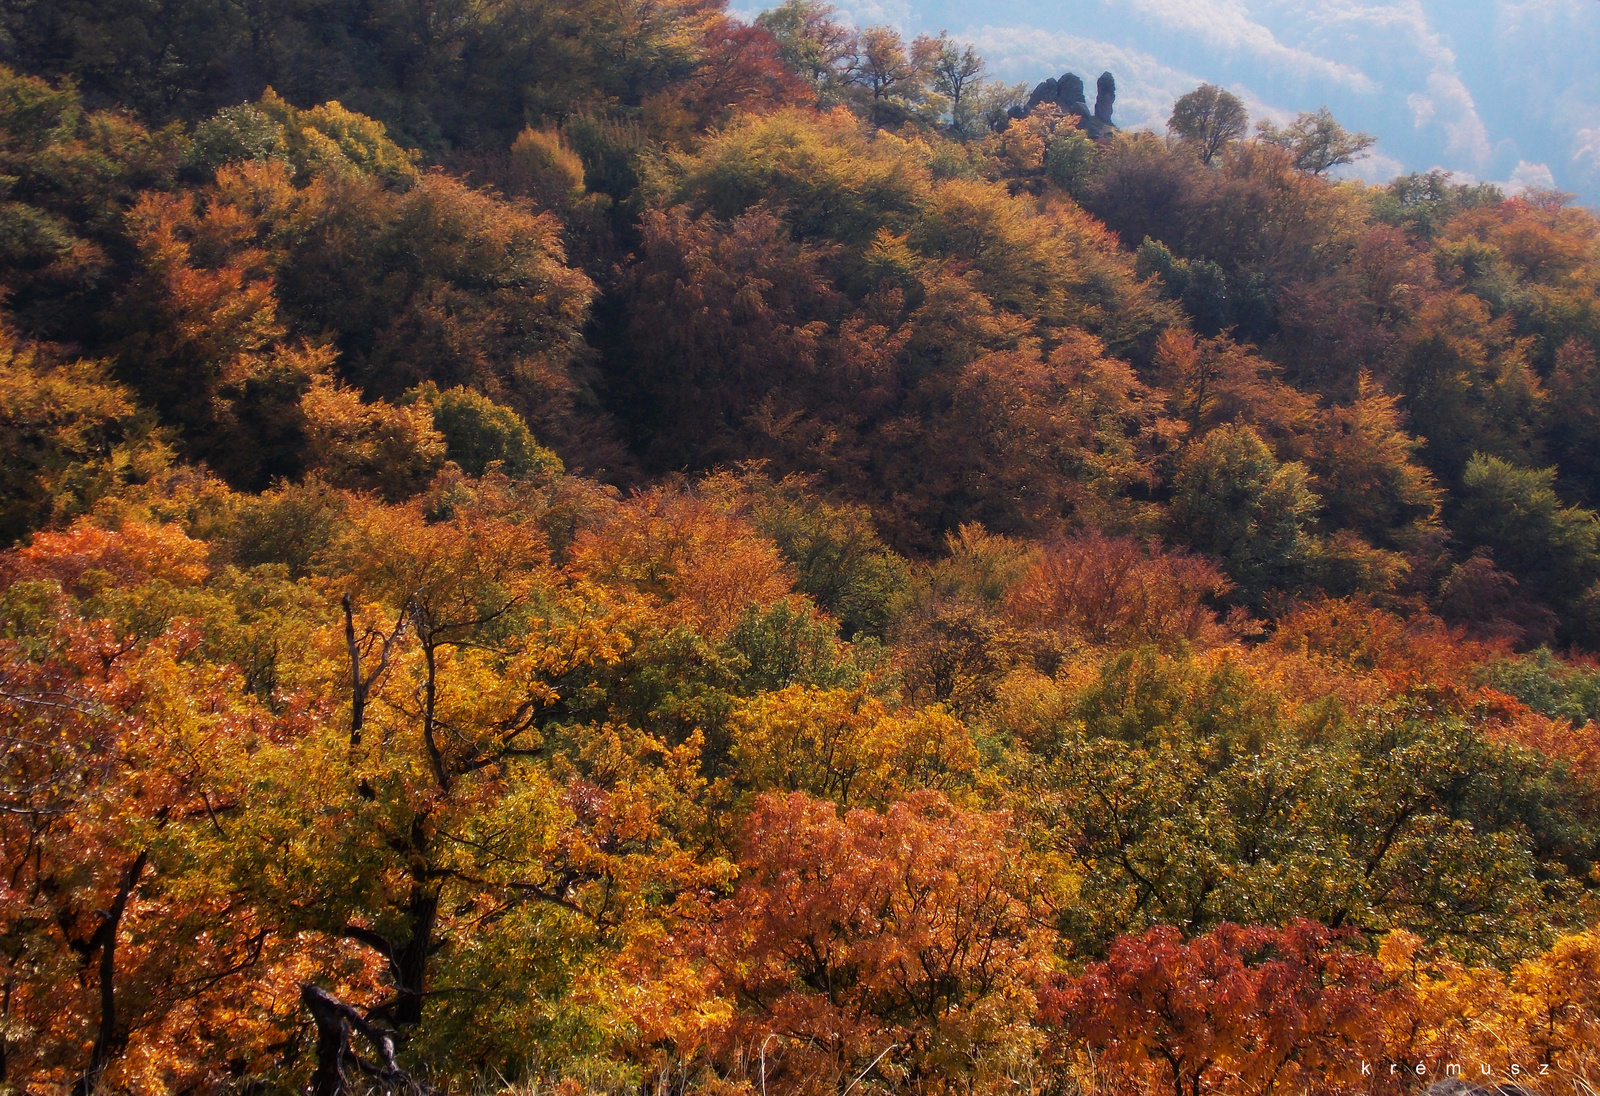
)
(1105, 97)
(1067, 93)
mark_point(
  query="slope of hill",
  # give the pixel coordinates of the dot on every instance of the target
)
(606, 547)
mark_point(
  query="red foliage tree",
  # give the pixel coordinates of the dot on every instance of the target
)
(1243, 1011)
(728, 316)
(740, 69)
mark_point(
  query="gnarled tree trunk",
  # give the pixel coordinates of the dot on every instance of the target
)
(337, 1058)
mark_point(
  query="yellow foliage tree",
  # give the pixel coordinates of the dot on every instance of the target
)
(848, 747)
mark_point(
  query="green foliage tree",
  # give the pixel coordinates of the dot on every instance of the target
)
(1209, 119)
(1214, 304)
(811, 41)
(794, 645)
(892, 77)
(1069, 160)
(958, 76)
(1424, 202)
(1181, 787)
(1232, 499)
(1317, 141)
(1547, 684)
(1515, 512)
(478, 432)
(838, 556)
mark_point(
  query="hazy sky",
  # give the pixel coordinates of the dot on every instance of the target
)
(1500, 90)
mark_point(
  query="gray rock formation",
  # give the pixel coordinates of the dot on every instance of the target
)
(1068, 94)
(1106, 87)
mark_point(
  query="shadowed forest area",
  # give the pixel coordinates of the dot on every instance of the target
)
(595, 547)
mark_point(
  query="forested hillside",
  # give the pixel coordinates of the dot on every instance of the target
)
(603, 548)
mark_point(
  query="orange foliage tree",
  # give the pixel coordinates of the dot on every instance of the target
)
(909, 939)
(702, 566)
(1114, 591)
(118, 768)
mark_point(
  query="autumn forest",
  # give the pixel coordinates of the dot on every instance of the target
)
(601, 548)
